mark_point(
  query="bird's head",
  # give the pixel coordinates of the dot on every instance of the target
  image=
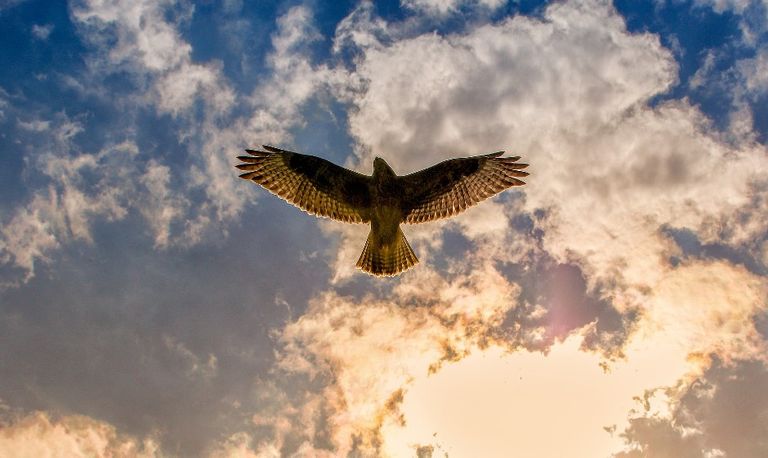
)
(380, 167)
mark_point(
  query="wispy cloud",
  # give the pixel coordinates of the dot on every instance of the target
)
(66, 206)
(148, 44)
(42, 32)
(441, 8)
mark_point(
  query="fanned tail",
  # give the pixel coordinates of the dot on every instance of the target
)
(387, 260)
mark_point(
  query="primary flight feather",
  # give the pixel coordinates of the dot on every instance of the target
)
(384, 199)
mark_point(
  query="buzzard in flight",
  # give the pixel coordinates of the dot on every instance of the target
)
(385, 199)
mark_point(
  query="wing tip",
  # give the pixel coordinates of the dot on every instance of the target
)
(275, 149)
(247, 175)
(256, 153)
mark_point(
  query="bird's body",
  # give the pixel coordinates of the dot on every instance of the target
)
(385, 200)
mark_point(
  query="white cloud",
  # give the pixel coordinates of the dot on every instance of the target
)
(160, 205)
(294, 81)
(30, 235)
(440, 8)
(753, 15)
(148, 44)
(35, 125)
(42, 32)
(6, 4)
(275, 107)
(568, 93)
(743, 82)
(720, 6)
(37, 434)
(361, 29)
(755, 73)
(143, 39)
(80, 190)
(67, 206)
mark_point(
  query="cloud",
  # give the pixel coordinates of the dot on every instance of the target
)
(7, 4)
(239, 446)
(294, 80)
(361, 29)
(28, 236)
(143, 40)
(66, 206)
(381, 374)
(38, 434)
(752, 16)
(146, 43)
(369, 353)
(160, 205)
(369, 366)
(75, 189)
(754, 72)
(36, 125)
(722, 414)
(611, 168)
(440, 8)
(570, 92)
(42, 32)
(734, 71)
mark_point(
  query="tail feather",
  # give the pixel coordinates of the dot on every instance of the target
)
(388, 260)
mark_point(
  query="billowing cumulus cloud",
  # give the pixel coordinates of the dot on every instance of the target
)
(570, 92)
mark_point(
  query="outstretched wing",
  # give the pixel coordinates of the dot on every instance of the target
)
(452, 186)
(313, 184)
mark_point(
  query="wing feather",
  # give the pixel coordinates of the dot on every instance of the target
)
(313, 184)
(452, 186)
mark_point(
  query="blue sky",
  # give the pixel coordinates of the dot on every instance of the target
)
(153, 304)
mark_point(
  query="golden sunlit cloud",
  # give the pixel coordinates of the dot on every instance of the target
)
(37, 435)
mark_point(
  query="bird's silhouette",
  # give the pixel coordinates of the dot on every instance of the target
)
(384, 199)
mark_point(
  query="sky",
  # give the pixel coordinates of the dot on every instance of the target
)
(153, 304)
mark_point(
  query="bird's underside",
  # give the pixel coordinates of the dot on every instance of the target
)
(383, 199)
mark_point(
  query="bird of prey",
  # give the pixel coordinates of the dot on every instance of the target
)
(385, 200)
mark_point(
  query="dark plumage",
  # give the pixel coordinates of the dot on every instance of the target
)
(385, 200)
